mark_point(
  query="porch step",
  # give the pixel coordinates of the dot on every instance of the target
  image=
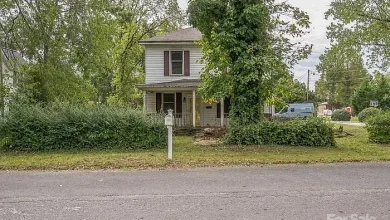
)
(186, 131)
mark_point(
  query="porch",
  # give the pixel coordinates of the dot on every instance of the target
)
(189, 108)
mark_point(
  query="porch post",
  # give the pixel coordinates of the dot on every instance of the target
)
(222, 112)
(193, 108)
(273, 110)
(144, 100)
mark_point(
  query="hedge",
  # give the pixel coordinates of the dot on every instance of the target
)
(35, 128)
(340, 115)
(378, 128)
(367, 113)
(315, 132)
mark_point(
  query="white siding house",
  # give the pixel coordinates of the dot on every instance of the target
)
(172, 71)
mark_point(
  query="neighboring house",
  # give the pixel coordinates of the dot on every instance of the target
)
(172, 71)
(10, 61)
(324, 109)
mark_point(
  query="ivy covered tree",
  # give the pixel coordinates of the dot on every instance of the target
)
(246, 49)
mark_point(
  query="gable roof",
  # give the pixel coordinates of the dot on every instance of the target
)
(187, 35)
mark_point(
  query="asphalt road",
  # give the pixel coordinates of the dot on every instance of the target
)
(272, 192)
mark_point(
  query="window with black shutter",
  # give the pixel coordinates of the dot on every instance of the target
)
(226, 108)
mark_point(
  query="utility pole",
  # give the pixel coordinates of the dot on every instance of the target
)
(307, 89)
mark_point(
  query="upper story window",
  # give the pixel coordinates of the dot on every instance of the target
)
(177, 63)
(177, 67)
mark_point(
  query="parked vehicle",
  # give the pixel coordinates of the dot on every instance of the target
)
(297, 110)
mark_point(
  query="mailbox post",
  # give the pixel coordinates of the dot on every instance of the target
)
(169, 124)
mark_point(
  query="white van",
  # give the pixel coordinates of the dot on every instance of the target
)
(295, 110)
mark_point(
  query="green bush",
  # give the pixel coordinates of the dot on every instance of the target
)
(310, 132)
(378, 127)
(340, 115)
(367, 113)
(36, 128)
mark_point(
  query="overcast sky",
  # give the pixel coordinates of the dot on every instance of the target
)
(317, 37)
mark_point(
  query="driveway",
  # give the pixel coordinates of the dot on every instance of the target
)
(290, 192)
(349, 123)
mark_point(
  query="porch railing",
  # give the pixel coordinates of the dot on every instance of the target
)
(185, 119)
(182, 119)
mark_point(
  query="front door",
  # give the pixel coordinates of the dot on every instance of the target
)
(198, 103)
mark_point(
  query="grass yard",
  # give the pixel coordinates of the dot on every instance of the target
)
(354, 119)
(349, 149)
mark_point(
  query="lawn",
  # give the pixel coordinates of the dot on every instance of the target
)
(349, 149)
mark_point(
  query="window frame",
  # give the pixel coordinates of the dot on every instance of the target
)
(171, 61)
(174, 102)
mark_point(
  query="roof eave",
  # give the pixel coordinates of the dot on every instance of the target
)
(167, 42)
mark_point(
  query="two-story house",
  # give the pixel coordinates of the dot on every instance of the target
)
(172, 71)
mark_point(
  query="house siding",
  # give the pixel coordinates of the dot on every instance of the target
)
(150, 102)
(210, 115)
(154, 62)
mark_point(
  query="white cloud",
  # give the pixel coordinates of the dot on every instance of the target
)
(317, 36)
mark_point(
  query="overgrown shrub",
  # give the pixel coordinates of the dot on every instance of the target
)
(340, 115)
(367, 113)
(68, 127)
(311, 132)
(378, 127)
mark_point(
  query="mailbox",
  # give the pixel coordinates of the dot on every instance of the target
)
(169, 124)
(169, 118)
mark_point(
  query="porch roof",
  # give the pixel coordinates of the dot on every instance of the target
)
(183, 84)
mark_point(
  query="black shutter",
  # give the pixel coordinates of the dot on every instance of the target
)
(186, 63)
(218, 110)
(226, 106)
(166, 63)
(158, 102)
(179, 104)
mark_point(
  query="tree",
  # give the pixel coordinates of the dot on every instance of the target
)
(46, 33)
(81, 51)
(377, 88)
(362, 23)
(246, 50)
(288, 90)
(137, 20)
(342, 71)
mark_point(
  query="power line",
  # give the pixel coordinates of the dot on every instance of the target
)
(301, 77)
(352, 79)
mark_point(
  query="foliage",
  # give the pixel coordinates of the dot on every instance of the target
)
(368, 113)
(362, 23)
(245, 46)
(356, 148)
(288, 90)
(341, 115)
(378, 128)
(373, 89)
(82, 51)
(313, 132)
(137, 22)
(342, 71)
(35, 128)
